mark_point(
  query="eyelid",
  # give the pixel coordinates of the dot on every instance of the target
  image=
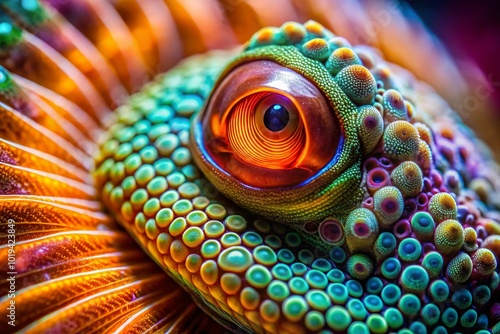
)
(261, 77)
(258, 76)
(322, 132)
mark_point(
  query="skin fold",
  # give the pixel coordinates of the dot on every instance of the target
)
(379, 214)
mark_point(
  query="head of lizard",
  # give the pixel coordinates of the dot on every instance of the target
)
(305, 184)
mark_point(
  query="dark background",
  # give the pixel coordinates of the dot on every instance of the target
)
(471, 30)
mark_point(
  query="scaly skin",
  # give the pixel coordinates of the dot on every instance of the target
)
(395, 233)
(379, 216)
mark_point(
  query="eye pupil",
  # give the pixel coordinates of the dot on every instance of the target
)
(276, 118)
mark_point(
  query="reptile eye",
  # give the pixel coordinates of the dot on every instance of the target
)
(269, 127)
(264, 129)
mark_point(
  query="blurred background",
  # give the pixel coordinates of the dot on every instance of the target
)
(471, 32)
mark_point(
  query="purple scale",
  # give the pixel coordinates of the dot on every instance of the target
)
(361, 229)
(428, 247)
(427, 184)
(410, 207)
(402, 229)
(331, 231)
(437, 178)
(368, 203)
(386, 163)
(377, 178)
(462, 212)
(470, 219)
(389, 205)
(370, 164)
(422, 201)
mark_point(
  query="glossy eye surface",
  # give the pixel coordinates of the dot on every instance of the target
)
(265, 130)
(269, 127)
(276, 117)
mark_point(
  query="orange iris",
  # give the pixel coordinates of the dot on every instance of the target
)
(253, 142)
(267, 126)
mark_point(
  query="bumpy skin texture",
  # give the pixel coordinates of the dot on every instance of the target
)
(399, 232)
(400, 235)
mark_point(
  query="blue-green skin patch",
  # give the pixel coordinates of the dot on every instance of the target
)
(259, 275)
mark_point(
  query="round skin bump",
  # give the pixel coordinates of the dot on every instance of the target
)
(376, 179)
(460, 268)
(461, 299)
(401, 140)
(373, 303)
(449, 237)
(409, 304)
(424, 155)
(394, 106)
(484, 261)
(359, 266)
(388, 205)
(481, 295)
(402, 229)
(424, 132)
(408, 178)
(442, 206)
(246, 140)
(341, 58)
(332, 232)
(423, 225)
(393, 317)
(439, 291)
(361, 230)
(293, 32)
(371, 127)
(384, 245)
(433, 262)
(266, 36)
(409, 250)
(431, 314)
(414, 279)
(391, 268)
(357, 82)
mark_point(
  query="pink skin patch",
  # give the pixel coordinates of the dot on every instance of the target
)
(390, 205)
(361, 229)
(331, 231)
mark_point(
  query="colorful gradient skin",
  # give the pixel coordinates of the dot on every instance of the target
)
(286, 266)
(380, 215)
